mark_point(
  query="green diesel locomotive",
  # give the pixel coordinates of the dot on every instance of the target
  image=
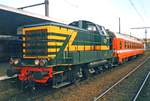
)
(62, 53)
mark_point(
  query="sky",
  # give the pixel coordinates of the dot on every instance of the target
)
(102, 12)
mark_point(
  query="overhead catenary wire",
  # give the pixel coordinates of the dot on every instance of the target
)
(71, 4)
(136, 10)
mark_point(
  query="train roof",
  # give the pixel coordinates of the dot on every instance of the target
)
(127, 37)
(12, 18)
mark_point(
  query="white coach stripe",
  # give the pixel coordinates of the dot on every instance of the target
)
(127, 50)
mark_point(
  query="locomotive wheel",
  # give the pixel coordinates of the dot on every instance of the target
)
(80, 73)
(106, 66)
(98, 69)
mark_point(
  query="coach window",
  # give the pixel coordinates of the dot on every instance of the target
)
(135, 45)
(120, 44)
(127, 44)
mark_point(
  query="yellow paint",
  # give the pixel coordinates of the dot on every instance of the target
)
(33, 57)
(52, 56)
(86, 48)
(40, 57)
(23, 44)
(35, 28)
(56, 37)
(53, 49)
(24, 50)
(51, 29)
(23, 31)
(55, 43)
(64, 31)
(23, 38)
(60, 30)
(71, 47)
(105, 47)
(69, 44)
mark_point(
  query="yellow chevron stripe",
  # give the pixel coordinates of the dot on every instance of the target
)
(23, 44)
(69, 44)
(71, 47)
(24, 50)
(33, 57)
(34, 28)
(60, 30)
(86, 48)
(51, 29)
(23, 38)
(53, 49)
(55, 43)
(56, 37)
(105, 47)
(52, 56)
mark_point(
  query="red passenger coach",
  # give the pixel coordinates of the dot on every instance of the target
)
(126, 46)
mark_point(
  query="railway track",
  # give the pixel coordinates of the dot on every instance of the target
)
(143, 93)
(41, 93)
(2, 78)
(8, 88)
(100, 96)
(10, 91)
(141, 87)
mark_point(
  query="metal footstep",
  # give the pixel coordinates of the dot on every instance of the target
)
(61, 85)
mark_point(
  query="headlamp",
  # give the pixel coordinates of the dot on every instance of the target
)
(16, 61)
(37, 62)
(42, 62)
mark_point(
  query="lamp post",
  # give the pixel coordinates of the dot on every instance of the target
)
(46, 3)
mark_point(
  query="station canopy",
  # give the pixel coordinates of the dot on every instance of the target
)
(12, 18)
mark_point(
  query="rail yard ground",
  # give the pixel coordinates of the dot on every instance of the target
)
(3, 67)
(88, 89)
(145, 92)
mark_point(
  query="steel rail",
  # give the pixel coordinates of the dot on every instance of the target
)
(137, 94)
(2, 78)
(102, 94)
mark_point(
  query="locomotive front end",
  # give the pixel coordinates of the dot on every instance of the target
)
(40, 47)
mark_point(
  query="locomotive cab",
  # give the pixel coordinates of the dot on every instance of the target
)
(89, 26)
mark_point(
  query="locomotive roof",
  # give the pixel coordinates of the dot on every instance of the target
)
(53, 23)
(77, 27)
(127, 37)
